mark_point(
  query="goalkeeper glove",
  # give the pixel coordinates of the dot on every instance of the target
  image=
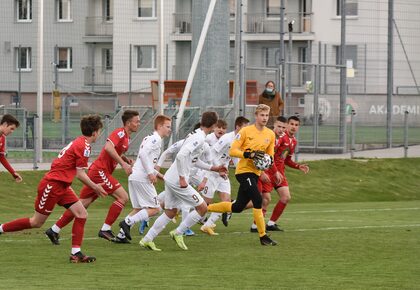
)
(257, 154)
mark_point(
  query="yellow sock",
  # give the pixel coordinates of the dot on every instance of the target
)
(224, 206)
(259, 220)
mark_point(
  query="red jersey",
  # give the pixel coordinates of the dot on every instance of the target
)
(283, 152)
(74, 155)
(2, 144)
(120, 139)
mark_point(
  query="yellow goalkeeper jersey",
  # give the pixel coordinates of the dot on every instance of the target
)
(250, 139)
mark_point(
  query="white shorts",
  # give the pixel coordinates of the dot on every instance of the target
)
(142, 194)
(214, 184)
(176, 197)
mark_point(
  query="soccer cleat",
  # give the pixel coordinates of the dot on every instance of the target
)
(226, 216)
(143, 226)
(273, 228)
(179, 239)
(253, 230)
(53, 236)
(107, 235)
(119, 240)
(189, 233)
(149, 245)
(81, 258)
(208, 230)
(126, 228)
(0, 232)
(266, 241)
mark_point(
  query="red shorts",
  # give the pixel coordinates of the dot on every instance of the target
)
(109, 184)
(268, 187)
(50, 193)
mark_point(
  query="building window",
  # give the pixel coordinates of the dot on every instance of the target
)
(24, 58)
(232, 59)
(271, 56)
(24, 10)
(107, 57)
(109, 10)
(232, 8)
(273, 8)
(351, 8)
(65, 58)
(147, 8)
(64, 10)
(350, 53)
(146, 57)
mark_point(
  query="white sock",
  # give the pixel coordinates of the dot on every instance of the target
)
(55, 229)
(185, 211)
(157, 227)
(193, 218)
(212, 219)
(106, 227)
(75, 250)
(271, 223)
(138, 217)
(1, 229)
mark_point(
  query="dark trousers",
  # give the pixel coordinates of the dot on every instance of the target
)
(248, 190)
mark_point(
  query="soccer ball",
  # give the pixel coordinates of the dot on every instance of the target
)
(263, 163)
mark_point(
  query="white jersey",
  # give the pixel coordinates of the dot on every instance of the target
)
(220, 150)
(171, 151)
(188, 157)
(147, 157)
(211, 139)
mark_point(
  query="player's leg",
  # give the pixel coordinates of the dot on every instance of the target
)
(285, 197)
(36, 221)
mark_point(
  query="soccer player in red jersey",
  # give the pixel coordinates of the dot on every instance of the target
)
(283, 152)
(54, 188)
(8, 124)
(101, 172)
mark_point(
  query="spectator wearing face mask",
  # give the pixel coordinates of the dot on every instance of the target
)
(271, 98)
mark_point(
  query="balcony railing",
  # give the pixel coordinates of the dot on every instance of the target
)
(182, 23)
(97, 76)
(98, 26)
(261, 23)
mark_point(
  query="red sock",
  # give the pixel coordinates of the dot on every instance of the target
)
(277, 211)
(77, 232)
(114, 212)
(17, 225)
(65, 219)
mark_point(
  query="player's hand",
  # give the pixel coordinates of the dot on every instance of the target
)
(264, 178)
(202, 185)
(152, 178)
(257, 154)
(130, 161)
(219, 168)
(157, 168)
(127, 168)
(304, 168)
(99, 189)
(159, 175)
(18, 178)
(182, 182)
(278, 178)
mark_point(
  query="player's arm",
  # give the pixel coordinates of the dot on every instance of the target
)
(83, 177)
(168, 152)
(236, 146)
(110, 149)
(302, 167)
(9, 168)
(127, 160)
(182, 163)
(147, 162)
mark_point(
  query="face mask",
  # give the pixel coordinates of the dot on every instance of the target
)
(269, 90)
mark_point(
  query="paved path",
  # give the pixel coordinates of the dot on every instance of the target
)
(413, 151)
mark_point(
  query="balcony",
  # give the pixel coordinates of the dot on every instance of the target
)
(182, 23)
(98, 29)
(261, 23)
(98, 78)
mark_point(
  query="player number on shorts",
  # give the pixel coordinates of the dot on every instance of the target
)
(249, 180)
(195, 198)
(63, 151)
(156, 200)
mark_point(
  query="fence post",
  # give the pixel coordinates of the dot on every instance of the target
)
(405, 134)
(107, 121)
(297, 144)
(353, 134)
(35, 141)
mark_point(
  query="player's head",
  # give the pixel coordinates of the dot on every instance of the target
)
(196, 126)
(240, 122)
(162, 125)
(131, 120)
(293, 124)
(220, 128)
(8, 124)
(280, 125)
(262, 113)
(208, 121)
(91, 126)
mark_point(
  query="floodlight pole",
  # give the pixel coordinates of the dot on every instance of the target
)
(39, 99)
(162, 63)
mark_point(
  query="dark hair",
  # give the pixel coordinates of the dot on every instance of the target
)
(128, 115)
(274, 84)
(208, 119)
(9, 120)
(295, 118)
(239, 121)
(160, 120)
(221, 124)
(90, 124)
(196, 126)
(281, 119)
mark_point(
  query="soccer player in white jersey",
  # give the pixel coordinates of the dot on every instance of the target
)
(218, 132)
(178, 190)
(219, 154)
(141, 182)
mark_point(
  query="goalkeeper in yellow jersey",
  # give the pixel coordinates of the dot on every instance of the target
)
(251, 143)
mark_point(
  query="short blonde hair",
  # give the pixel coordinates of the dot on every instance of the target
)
(261, 108)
